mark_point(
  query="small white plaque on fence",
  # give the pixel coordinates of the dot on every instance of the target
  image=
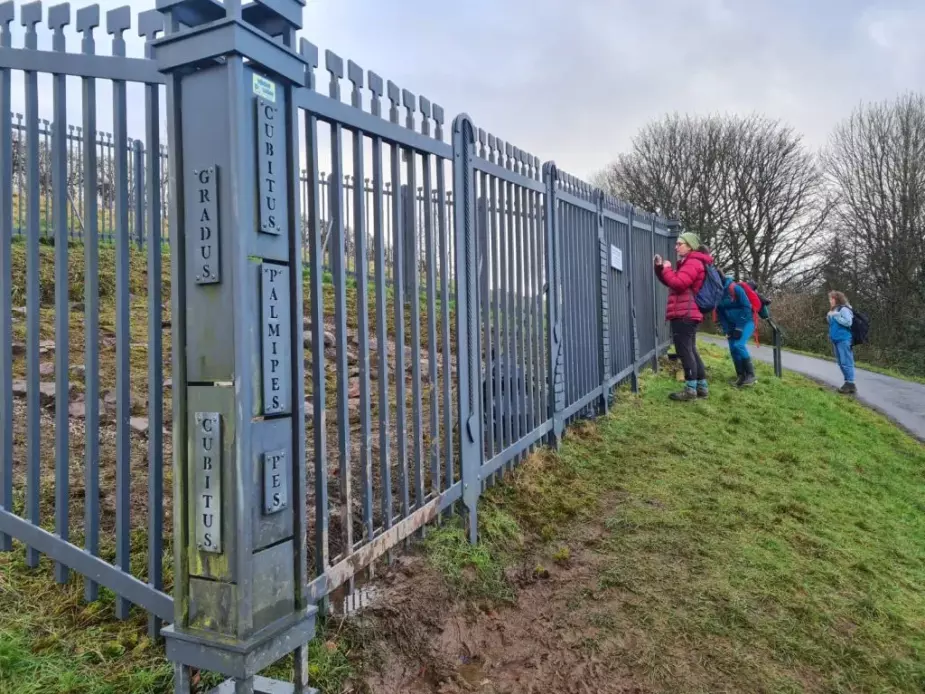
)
(616, 258)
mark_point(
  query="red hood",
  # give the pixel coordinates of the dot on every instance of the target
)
(701, 256)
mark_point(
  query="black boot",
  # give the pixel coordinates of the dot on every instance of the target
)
(749, 374)
(740, 374)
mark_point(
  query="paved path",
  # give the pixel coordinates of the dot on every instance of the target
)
(901, 401)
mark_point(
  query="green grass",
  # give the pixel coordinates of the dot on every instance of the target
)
(767, 540)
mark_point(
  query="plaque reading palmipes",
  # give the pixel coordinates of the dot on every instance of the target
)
(204, 226)
(275, 482)
(207, 487)
(271, 183)
(275, 343)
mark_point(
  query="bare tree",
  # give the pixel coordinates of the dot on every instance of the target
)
(876, 164)
(746, 185)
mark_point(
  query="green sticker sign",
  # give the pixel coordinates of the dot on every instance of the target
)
(264, 88)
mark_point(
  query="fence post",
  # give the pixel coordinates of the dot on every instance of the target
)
(408, 216)
(654, 300)
(240, 578)
(556, 363)
(467, 320)
(633, 266)
(138, 154)
(603, 306)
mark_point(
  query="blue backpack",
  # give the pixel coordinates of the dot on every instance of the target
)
(711, 293)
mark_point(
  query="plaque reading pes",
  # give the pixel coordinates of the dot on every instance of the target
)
(270, 169)
(207, 462)
(275, 482)
(204, 225)
(276, 366)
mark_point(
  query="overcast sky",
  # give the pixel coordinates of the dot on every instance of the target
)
(573, 80)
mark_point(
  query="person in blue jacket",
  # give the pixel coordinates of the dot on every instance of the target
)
(737, 319)
(840, 318)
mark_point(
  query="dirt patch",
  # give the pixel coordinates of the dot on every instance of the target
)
(544, 642)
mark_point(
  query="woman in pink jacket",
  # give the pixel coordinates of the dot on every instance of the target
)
(685, 317)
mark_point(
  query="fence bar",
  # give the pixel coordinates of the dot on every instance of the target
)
(87, 19)
(30, 15)
(604, 305)
(398, 277)
(6, 279)
(483, 210)
(414, 283)
(152, 192)
(513, 371)
(360, 218)
(502, 359)
(523, 366)
(445, 299)
(633, 327)
(433, 355)
(555, 360)
(654, 301)
(123, 337)
(468, 349)
(316, 294)
(338, 240)
(138, 181)
(58, 17)
(385, 465)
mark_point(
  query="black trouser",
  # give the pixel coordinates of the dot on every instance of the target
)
(684, 333)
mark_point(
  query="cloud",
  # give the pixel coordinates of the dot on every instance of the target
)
(574, 80)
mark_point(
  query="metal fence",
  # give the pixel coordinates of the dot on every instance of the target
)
(481, 325)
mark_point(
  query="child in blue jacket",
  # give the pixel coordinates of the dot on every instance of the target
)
(738, 322)
(840, 318)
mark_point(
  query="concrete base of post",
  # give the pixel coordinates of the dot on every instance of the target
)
(240, 660)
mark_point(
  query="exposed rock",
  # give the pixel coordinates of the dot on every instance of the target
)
(20, 389)
(47, 368)
(139, 425)
(78, 307)
(168, 383)
(18, 349)
(20, 310)
(78, 371)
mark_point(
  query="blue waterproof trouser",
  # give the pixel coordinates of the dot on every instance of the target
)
(738, 348)
(845, 358)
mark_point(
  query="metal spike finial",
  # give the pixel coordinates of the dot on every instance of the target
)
(355, 75)
(395, 97)
(59, 16)
(439, 120)
(492, 147)
(410, 102)
(30, 14)
(118, 21)
(7, 15)
(425, 115)
(375, 87)
(150, 24)
(309, 53)
(334, 64)
(88, 19)
(509, 155)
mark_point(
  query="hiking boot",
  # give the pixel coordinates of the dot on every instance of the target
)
(684, 395)
(703, 392)
(737, 381)
(748, 378)
(848, 389)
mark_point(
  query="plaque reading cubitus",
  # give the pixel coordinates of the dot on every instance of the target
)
(207, 461)
(276, 364)
(271, 183)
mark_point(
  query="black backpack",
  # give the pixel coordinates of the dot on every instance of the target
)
(860, 326)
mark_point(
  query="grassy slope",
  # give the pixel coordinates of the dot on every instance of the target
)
(761, 541)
